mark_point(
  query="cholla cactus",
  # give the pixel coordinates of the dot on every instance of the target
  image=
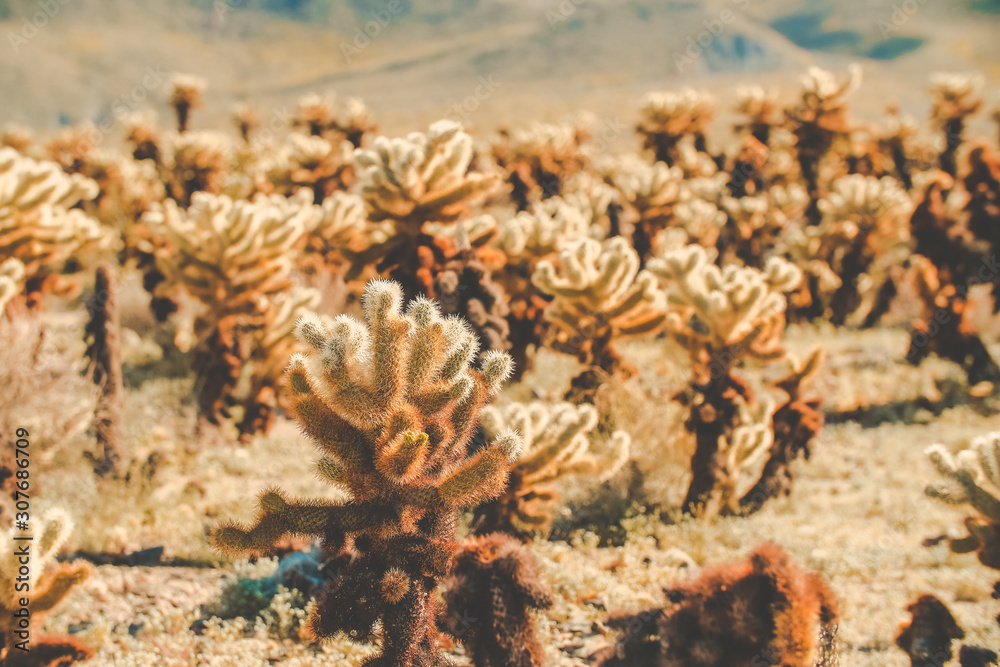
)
(819, 121)
(539, 158)
(761, 109)
(38, 225)
(246, 119)
(340, 227)
(323, 166)
(318, 117)
(763, 611)
(271, 345)
(494, 584)
(199, 163)
(864, 230)
(409, 182)
(185, 95)
(233, 258)
(669, 117)
(391, 403)
(721, 316)
(142, 133)
(973, 478)
(540, 232)
(956, 97)
(651, 192)
(557, 443)
(422, 178)
(599, 297)
(45, 585)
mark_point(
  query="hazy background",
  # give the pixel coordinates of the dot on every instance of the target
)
(500, 61)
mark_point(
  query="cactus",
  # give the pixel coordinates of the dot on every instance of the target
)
(47, 583)
(391, 403)
(982, 182)
(651, 193)
(599, 297)
(973, 478)
(721, 316)
(185, 95)
(323, 166)
(317, 116)
(764, 611)
(38, 224)
(819, 121)
(762, 112)
(199, 164)
(557, 439)
(339, 228)
(495, 583)
(104, 351)
(464, 288)
(539, 158)
(667, 118)
(956, 97)
(409, 182)
(234, 258)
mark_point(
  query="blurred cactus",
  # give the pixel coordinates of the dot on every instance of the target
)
(38, 224)
(973, 478)
(667, 118)
(651, 194)
(762, 112)
(185, 95)
(764, 611)
(323, 166)
(391, 403)
(721, 316)
(423, 178)
(464, 288)
(199, 161)
(557, 443)
(317, 116)
(599, 297)
(539, 158)
(956, 97)
(927, 637)
(819, 121)
(234, 259)
(247, 121)
(103, 333)
(47, 583)
(495, 583)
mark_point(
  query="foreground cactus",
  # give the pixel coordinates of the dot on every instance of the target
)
(47, 584)
(600, 297)
(765, 611)
(557, 439)
(391, 403)
(494, 584)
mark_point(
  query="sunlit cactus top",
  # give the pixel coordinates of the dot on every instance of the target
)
(731, 307)
(956, 95)
(422, 178)
(677, 113)
(542, 230)
(973, 475)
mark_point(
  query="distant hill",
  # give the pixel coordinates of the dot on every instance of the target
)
(483, 61)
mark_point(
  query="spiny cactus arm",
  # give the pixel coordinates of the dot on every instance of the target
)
(561, 440)
(972, 475)
(53, 586)
(482, 476)
(278, 518)
(614, 460)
